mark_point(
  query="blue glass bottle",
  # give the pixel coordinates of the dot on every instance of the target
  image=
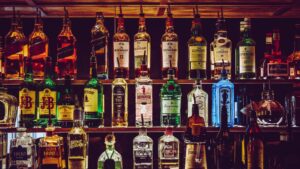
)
(224, 85)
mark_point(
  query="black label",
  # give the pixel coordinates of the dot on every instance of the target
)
(109, 164)
(13, 48)
(143, 156)
(119, 101)
(76, 146)
(2, 110)
(65, 51)
(19, 153)
(38, 47)
(277, 69)
(99, 42)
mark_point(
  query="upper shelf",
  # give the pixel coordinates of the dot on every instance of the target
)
(156, 8)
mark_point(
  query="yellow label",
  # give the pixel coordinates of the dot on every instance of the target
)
(47, 100)
(247, 59)
(90, 100)
(197, 56)
(27, 100)
(65, 112)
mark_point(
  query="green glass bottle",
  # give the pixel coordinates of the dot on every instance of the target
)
(48, 96)
(93, 98)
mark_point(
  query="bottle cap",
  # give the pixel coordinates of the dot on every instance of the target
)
(110, 139)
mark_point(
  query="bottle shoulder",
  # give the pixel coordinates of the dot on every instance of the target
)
(37, 36)
(143, 138)
(169, 36)
(121, 37)
(197, 41)
(246, 42)
(119, 81)
(142, 36)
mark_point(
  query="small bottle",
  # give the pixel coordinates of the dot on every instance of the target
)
(263, 74)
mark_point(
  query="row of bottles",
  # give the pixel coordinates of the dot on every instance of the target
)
(272, 64)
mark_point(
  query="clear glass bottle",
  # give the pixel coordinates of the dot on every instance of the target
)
(168, 151)
(197, 47)
(38, 47)
(66, 50)
(294, 58)
(110, 158)
(245, 65)
(142, 45)
(100, 43)
(292, 102)
(169, 46)
(267, 56)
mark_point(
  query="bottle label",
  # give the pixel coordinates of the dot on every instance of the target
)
(169, 53)
(170, 106)
(77, 147)
(292, 71)
(65, 112)
(51, 152)
(197, 56)
(247, 59)
(19, 153)
(195, 156)
(12, 49)
(143, 153)
(27, 99)
(222, 53)
(202, 101)
(277, 69)
(100, 47)
(141, 47)
(119, 101)
(121, 51)
(47, 101)
(90, 100)
(169, 150)
(227, 91)
(37, 48)
(143, 102)
(65, 51)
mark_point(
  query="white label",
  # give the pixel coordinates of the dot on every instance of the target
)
(121, 51)
(169, 53)
(247, 59)
(144, 102)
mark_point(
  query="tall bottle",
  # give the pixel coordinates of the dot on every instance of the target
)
(38, 47)
(100, 43)
(245, 66)
(197, 50)
(2, 70)
(93, 101)
(169, 46)
(267, 56)
(66, 50)
(28, 96)
(294, 58)
(121, 48)
(142, 45)
(219, 88)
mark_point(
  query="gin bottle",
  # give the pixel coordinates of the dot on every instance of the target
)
(110, 158)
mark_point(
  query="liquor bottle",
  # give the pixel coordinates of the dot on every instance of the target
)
(100, 43)
(219, 88)
(23, 37)
(28, 96)
(66, 105)
(168, 150)
(169, 46)
(77, 141)
(142, 45)
(245, 53)
(110, 158)
(170, 101)
(197, 49)
(294, 58)
(144, 97)
(201, 100)
(66, 50)
(242, 99)
(93, 100)
(224, 152)
(267, 56)
(222, 50)
(121, 47)
(48, 96)
(119, 99)
(38, 47)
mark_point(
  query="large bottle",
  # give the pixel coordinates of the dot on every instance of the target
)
(100, 44)
(38, 47)
(66, 50)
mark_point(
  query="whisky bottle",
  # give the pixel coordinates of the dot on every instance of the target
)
(66, 50)
(169, 46)
(168, 150)
(197, 47)
(28, 96)
(121, 48)
(294, 58)
(93, 101)
(245, 67)
(142, 45)
(66, 105)
(263, 74)
(100, 43)
(110, 158)
(23, 39)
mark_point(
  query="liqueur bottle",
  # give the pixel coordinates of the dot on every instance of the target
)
(121, 48)
(110, 158)
(169, 46)
(197, 47)
(245, 53)
(38, 47)
(267, 56)
(100, 43)
(142, 45)
(294, 58)
(66, 50)
(93, 101)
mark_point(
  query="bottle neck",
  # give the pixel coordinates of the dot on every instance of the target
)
(93, 70)
(99, 21)
(171, 76)
(14, 27)
(268, 95)
(169, 24)
(196, 28)
(38, 27)
(121, 28)
(142, 24)
(246, 32)
(48, 70)
(143, 131)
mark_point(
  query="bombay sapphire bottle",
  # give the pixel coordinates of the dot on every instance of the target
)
(219, 88)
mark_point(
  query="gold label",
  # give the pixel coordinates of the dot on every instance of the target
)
(195, 156)
(197, 56)
(65, 112)
(27, 101)
(247, 59)
(90, 100)
(47, 100)
(222, 53)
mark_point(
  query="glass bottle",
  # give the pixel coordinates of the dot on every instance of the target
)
(121, 48)
(2, 70)
(169, 46)
(142, 45)
(168, 151)
(294, 58)
(66, 50)
(170, 101)
(197, 47)
(23, 37)
(38, 47)
(110, 158)
(93, 101)
(267, 56)
(245, 67)
(292, 102)
(28, 96)
(219, 88)
(242, 99)
(100, 43)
